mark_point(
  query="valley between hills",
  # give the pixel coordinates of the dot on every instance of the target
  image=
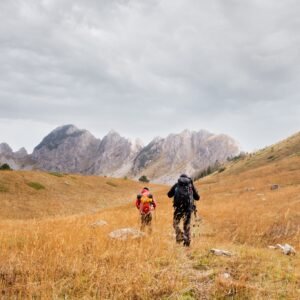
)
(52, 249)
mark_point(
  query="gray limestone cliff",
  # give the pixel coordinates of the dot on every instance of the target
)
(188, 152)
(66, 149)
(72, 150)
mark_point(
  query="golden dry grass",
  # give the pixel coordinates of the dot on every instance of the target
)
(63, 257)
(61, 194)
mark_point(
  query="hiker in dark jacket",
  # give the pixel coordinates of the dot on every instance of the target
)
(184, 193)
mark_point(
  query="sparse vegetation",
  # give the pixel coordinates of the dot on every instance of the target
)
(209, 170)
(238, 157)
(57, 174)
(111, 184)
(36, 185)
(144, 178)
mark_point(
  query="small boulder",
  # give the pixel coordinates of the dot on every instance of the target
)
(99, 223)
(226, 276)
(286, 249)
(220, 252)
(274, 187)
(126, 233)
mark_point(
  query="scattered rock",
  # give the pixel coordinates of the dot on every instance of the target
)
(126, 233)
(226, 275)
(220, 252)
(275, 187)
(250, 189)
(99, 223)
(286, 249)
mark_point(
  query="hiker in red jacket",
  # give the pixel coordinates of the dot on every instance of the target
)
(145, 203)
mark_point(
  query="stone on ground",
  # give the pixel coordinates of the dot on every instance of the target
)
(126, 233)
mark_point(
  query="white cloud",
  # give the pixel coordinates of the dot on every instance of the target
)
(147, 68)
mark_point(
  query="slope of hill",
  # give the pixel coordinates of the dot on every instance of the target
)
(64, 257)
(243, 194)
(28, 194)
(272, 155)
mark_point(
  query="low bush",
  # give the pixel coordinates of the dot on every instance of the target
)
(111, 184)
(144, 178)
(36, 185)
(5, 167)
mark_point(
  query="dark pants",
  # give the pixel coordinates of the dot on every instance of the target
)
(146, 221)
(184, 236)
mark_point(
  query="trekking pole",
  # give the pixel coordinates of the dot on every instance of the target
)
(195, 211)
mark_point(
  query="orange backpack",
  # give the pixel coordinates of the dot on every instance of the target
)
(146, 201)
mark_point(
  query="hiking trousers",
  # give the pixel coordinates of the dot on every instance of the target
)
(184, 236)
(146, 220)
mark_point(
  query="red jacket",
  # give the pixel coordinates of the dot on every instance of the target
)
(145, 207)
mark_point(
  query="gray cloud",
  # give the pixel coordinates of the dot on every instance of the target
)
(147, 68)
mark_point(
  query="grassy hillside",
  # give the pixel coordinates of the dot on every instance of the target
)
(26, 194)
(242, 197)
(64, 257)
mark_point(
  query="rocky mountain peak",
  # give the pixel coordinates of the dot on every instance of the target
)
(5, 149)
(21, 153)
(58, 135)
(137, 145)
(72, 150)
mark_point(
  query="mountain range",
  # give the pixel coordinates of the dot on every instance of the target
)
(71, 150)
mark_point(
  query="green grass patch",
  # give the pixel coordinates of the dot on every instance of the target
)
(36, 185)
(111, 184)
(57, 174)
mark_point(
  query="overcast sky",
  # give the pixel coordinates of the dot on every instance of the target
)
(149, 68)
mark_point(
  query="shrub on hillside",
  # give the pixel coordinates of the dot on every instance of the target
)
(36, 185)
(209, 170)
(111, 184)
(144, 178)
(5, 167)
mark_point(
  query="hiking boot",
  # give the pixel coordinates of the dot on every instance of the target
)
(179, 238)
(186, 243)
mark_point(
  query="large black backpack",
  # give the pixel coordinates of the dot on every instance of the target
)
(183, 198)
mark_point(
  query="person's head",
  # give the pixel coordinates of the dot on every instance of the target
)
(184, 175)
(145, 189)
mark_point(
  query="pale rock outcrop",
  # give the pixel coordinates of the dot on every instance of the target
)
(126, 233)
(220, 252)
(188, 152)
